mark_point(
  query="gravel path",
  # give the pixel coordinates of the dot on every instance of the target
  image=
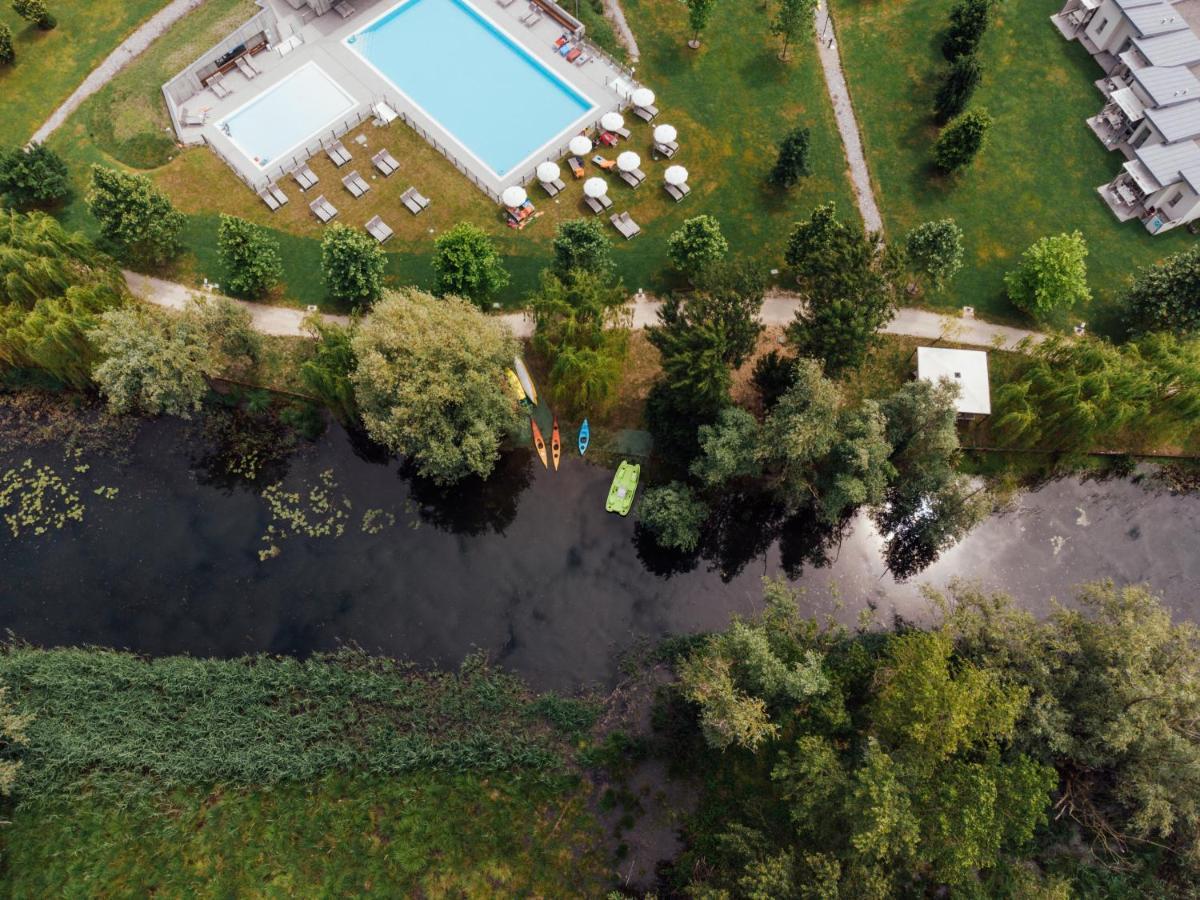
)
(778, 310)
(130, 48)
(616, 15)
(843, 111)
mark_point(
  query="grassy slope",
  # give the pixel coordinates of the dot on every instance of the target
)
(1040, 169)
(731, 101)
(51, 64)
(430, 836)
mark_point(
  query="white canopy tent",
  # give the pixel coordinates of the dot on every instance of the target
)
(966, 368)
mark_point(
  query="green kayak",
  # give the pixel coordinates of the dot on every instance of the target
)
(624, 486)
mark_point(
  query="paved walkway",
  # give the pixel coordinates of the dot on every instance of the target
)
(843, 112)
(616, 15)
(129, 49)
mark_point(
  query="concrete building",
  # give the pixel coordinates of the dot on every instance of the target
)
(968, 369)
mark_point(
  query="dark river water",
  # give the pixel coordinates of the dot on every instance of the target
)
(528, 566)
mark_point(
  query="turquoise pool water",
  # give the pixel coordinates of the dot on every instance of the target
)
(478, 83)
(287, 115)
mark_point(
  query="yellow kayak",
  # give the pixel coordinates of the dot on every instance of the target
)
(515, 383)
(526, 381)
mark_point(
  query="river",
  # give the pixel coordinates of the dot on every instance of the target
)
(528, 566)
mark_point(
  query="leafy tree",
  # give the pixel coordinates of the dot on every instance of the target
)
(1166, 296)
(729, 449)
(699, 12)
(961, 140)
(693, 355)
(228, 330)
(934, 250)
(429, 383)
(134, 216)
(327, 372)
(151, 364)
(250, 257)
(581, 244)
(793, 20)
(773, 374)
(856, 471)
(8, 53)
(1052, 275)
(697, 244)
(799, 432)
(41, 259)
(957, 87)
(673, 515)
(33, 176)
(466, 264)
(968, 24)
(792, 163)
(35, 11)
(730, 294)
(353, 265)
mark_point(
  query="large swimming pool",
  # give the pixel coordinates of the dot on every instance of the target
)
(285, 116)
(495, 99)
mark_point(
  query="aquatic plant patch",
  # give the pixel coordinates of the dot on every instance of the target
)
(35, 499)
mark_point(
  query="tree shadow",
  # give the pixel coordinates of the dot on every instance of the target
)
(741, 527)
(473, 506)
(658, 560)
(805, 540)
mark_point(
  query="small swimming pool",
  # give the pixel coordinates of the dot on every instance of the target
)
(287, 115)
(499, 102)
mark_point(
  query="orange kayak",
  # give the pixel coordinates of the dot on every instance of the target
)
(555, 444)
(538, 443)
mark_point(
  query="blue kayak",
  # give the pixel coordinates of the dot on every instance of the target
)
(585, 435)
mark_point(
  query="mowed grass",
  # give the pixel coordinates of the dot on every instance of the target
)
(426, 836)
(1039, 171)
(51, 64)
(731, 102)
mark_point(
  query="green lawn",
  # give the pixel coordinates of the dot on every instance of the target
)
(731, 101)
(51, 64)
(1037, 175)
(412, 836)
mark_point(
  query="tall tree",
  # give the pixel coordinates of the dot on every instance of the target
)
(35, 11)
(799, 432)
(250, 257)
(934, 251)
(353, 265)
(793, 21)
(33, 176)
(327, 372)
(581, 244)
(957, 87)
(792, 163)
(968, 24)
(1166, 295)
(729, 449)
(673, 515)
(429, 382)
(135, 218)
(466, 264)
(1052, 275)
(699, 12)
(960, 141)
(697, 244)
(729, 293)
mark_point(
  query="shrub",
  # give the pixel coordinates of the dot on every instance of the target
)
(1166, 296)
(466, 264)
(250, 257)
(673, 515)
(581, 244)
(353, 264)
(1052, 275)
(696, 245)
(968, 23)
(960, 141)
(792, 163)
(934, 250)
(958, 84)
(134, 216)
(33, 176)
(8, 53)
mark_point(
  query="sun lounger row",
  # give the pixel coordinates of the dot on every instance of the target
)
(385, 163)
(554, 187)
(634, 178)
(217, 86)
(624, 223)
(305, 177)
(379, 229)
(191, 118)
(273, 196)
(248, 66)
(356, 184)
(667, 149)
(532, 17)
(598, 204)
(415, 202)
(677, 191)
(338, 154)
(645, 113)
(323, 209)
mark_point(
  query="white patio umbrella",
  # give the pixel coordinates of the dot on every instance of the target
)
(548, 171)
(643, 96)
(580, 145)
(611, 121)
(675, 175)
(628, 161)
(595, 187)
(514, 195)
(665, 134)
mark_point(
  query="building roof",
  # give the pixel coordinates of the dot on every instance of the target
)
(1179, 48)
(1129, 103)
(1134, 4)
(1177, 123)
(1170, 163)
(966, 368)
(1167, 85)
(1158, 18)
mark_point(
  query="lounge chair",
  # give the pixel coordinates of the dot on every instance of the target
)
(356, 184)
(604, 163)
(414, 201)
(585, 58)
(280, 197)
(217, 86)
(624, 223)
(645, 113)
(623, 132)
(574, 54)
(244, 68)
(305, 177)
(193, 119)
(634, 179)
(608, 139)
(344, 9)
(677, 191)
(268, 198)
(668, 149)
(598, 204)
(252, 64)
(505, 3)
(576, 165)
(385, 163)
(562, 41)
(338, 154)
(532, 17)
(379, 229)
(323, 209)
(553, 187)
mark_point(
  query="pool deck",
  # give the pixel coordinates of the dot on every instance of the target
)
(606, 84)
